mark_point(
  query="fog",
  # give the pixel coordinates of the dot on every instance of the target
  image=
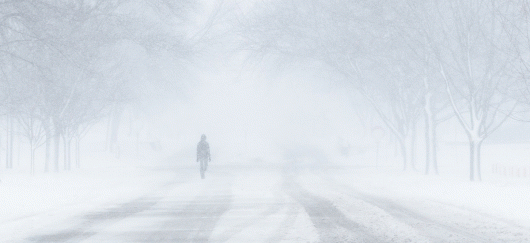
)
(334, 118)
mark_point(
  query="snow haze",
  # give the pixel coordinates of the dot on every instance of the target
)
(327, 121)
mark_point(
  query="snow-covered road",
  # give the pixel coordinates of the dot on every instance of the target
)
(390, 217)
(271, 204)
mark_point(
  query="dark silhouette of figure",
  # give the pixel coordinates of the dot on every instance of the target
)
(203, 154)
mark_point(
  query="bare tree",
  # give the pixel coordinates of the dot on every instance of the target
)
(416, 31)
(69, 48)
(28, 112)
(517, 23)
(358, 40)
(474, 54)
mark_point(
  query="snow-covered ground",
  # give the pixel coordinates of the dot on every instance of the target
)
(276, 202)
(32, 203)
(505, 199)
(408, 206)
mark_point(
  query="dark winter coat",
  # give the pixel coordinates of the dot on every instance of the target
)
(203, 150)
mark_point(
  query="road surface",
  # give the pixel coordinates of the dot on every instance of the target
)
(274, 204)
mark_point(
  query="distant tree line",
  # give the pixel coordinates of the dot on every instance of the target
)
(413, 60)
(64, 67)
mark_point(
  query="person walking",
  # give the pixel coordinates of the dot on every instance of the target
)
(203, 154)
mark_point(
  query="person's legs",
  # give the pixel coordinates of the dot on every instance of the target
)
(203, 168)
(202, 164)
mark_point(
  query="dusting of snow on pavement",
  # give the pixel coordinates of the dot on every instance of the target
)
(275, 203)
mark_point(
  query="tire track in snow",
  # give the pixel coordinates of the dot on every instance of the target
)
(434, 230)
(272, 207)
(194, 223)
(332, 225)
(187, 221)
(286, 224)
(83, 231)
(176, 220)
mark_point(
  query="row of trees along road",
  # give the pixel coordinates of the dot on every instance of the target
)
(413, 60)
(64, 66)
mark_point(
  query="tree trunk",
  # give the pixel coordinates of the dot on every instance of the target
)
(471, 160)
(48, 134)
(430, 144)
(479, 172)
(68, 152)
(413, 146)
(57, 141)
(11, 138)
(138, 145)
(114, 129)
(8, 165)
(434, 147)
(31, 145)
(403, 146)
(474, 159)
(77, 152)
(428, 131)
(65, 153)
(19, 145)
(428, 139)
(32, 162)
(107, 138)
